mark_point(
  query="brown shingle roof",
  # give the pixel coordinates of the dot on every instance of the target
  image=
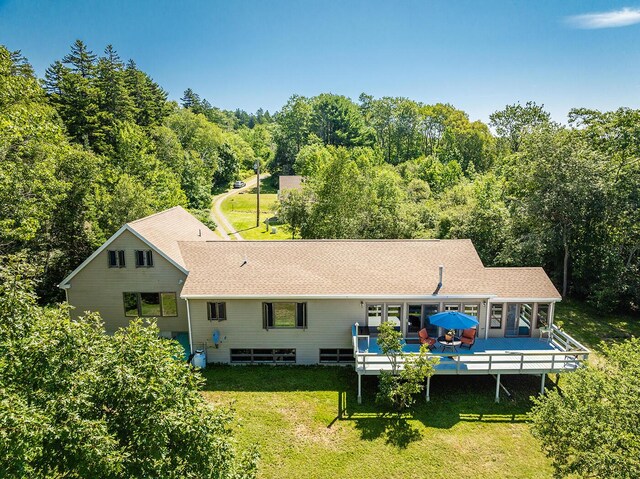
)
(351, 267)
(166, 228)
(291, 182)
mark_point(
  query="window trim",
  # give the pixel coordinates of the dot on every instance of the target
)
(268, 317)
(139, 304)
(218, 306)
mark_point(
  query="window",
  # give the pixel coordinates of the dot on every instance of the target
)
(284, 315)
(144, 258)
(275, 356)
(336, 356)
(452, 307)
(217, 311)
(471, 310)
(394, 313)
(150, 304)
(116, 258)
(496, 316)
(414, 317)
(169, 304)
(131, 304)
(542, 317)
(374, 315)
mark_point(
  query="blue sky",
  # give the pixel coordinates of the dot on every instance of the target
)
(477, 55)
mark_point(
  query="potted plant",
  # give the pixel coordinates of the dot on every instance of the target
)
(450, 335)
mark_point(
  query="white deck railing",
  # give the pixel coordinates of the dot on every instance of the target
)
(568, 355)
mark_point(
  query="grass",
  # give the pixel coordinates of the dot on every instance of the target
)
(591, 326)
(307, 423)
(240, 210)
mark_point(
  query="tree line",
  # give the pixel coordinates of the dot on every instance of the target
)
(530, 192)
(96, 143)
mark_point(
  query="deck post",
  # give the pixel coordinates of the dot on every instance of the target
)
(498, 387)
(359, 388)
(544, 377)
(428, 389)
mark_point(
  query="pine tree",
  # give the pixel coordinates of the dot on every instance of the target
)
(190, 99)
(81, 59)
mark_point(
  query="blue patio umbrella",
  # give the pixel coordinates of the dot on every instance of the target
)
(453, 320)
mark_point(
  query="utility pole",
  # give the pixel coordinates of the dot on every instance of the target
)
(256, 166)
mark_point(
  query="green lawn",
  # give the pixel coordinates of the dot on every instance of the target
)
(240, 210)
(307, 423)
(591, 326)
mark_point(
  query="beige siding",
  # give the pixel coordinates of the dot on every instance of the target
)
(329, 326)
(99, 288)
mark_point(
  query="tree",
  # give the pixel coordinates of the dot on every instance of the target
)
(292, 133)
(561, 193)
(75, 402)
(293, 209)
(398, 387)
(80, 59)
(591, 428)
(336, 120)
(516, 120)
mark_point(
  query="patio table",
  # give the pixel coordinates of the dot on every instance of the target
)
(449, 344)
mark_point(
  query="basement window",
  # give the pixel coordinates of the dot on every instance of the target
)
(336, 356)
(262, 356)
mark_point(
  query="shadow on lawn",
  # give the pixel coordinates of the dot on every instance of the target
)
(454, 399)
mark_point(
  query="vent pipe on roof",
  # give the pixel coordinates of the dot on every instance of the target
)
(440, 279)
(199, 231)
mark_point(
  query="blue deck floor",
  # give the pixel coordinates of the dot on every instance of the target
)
(480, 346)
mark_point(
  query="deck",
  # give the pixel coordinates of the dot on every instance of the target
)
(495, 356)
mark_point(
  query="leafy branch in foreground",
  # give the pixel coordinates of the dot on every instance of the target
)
(398, 387)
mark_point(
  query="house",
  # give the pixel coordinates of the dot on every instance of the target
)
(288, 183)
(318, 301)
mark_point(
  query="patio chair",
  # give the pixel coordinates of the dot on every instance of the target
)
(468, 337)
(425, 339)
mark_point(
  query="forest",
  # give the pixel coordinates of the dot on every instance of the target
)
(97, 143)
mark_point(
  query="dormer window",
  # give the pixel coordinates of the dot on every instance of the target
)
(144, 258)
(116, 258)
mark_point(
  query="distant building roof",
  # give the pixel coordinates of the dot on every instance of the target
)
(357, 268)
(292, 182)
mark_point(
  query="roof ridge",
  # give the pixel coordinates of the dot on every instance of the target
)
(347, 240)
(157, 214)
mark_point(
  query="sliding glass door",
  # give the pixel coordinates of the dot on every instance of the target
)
(418, 318)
